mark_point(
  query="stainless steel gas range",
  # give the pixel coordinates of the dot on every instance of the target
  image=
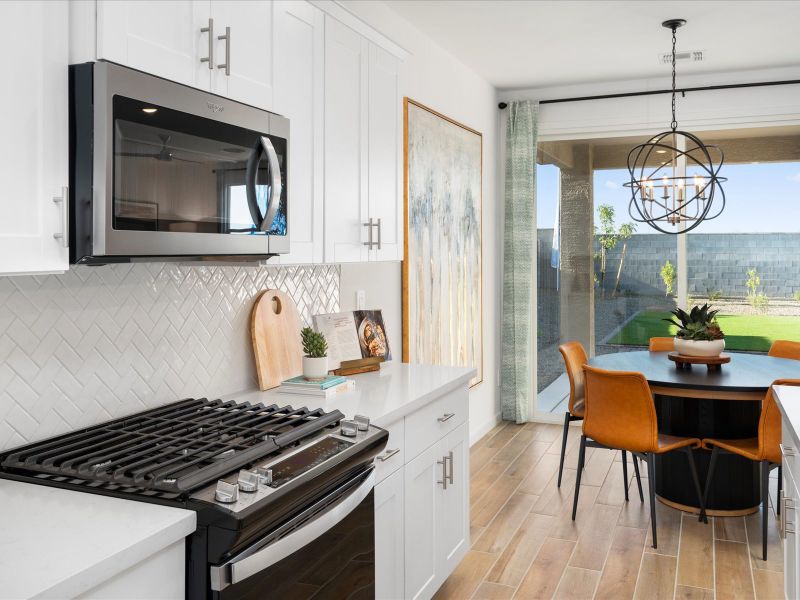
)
(283, 496)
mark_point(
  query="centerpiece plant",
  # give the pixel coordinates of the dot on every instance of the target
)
(699, 333)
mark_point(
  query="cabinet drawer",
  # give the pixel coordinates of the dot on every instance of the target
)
(790, 450)
(430, 423)
(393, 457)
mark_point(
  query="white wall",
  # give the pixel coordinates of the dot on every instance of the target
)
(435, 78)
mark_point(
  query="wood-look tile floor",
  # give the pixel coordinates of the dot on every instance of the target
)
(525, 545)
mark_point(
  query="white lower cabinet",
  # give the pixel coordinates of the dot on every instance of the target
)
(389, 561)
(790, 506)
(422, 509)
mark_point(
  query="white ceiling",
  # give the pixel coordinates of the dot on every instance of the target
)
(519, 44)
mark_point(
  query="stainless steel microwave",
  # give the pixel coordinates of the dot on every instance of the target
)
(162, 171)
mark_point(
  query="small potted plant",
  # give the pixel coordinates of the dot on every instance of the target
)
(699, 333)
(315, 360)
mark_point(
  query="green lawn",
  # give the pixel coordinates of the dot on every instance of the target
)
(742, 332)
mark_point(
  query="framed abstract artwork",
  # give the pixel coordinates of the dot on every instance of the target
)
(442, 291)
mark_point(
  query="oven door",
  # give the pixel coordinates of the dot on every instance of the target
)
(185, 173)
(326, 551)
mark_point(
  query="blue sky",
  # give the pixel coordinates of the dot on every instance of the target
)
(763, 197)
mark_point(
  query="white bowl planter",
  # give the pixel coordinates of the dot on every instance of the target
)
(699, 347)
(315, 369)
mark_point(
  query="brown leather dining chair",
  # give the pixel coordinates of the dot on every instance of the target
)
(785, 349)
(574, 358)
(619, 414)
(662, 344)
(764, 449)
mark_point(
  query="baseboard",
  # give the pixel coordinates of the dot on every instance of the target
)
(485, 428)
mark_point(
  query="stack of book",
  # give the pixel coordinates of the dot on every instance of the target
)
(330, 386)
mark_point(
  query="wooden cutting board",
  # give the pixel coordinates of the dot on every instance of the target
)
(275, 330)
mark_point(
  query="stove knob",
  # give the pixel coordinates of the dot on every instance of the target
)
(264, 475)
(227, 493)
(248, 481)
(349, 428)
(362, 422)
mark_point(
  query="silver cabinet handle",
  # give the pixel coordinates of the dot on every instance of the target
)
(786, 525)
(450, 458)
(443, 462)
(210, 31)
(787, 450)
(388, 454)
(379, 233)
(369, 243)
(64, 200)
(227, 64)
(446, 417)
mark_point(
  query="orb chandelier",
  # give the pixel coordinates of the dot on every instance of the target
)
(674, 177)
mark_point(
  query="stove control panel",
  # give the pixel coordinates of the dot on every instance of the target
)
(305, 460)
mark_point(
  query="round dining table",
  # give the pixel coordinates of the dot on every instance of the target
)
(703, 403)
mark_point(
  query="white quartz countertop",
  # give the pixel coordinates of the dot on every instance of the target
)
(58, 543)
(395, 391)
(788, 400)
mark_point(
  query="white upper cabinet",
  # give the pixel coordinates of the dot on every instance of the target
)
(162, 38)
(384, 152)
(299, 78)
(346, 122)
(243, 58)
(363, 213)
(34, 122)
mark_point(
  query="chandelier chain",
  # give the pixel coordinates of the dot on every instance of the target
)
(674, 123)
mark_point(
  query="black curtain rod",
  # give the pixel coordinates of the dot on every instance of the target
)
(707, 88)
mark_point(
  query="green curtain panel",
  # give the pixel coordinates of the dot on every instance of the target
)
(518, 253)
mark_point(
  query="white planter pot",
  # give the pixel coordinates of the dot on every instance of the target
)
(315, 369)
(699, 347)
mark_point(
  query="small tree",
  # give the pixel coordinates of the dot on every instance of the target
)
(757, 299)
(608, 237)
(668, 277)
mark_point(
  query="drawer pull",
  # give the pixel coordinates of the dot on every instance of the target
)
(786, 526)
(787, 450)
(446, 417)
(388, 454)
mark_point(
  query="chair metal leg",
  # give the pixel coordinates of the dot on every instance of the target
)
(581, 457)
(764, 506)
(696, 479)
(780, 488)
(651, 480)
(709, 478)
(625, 471)
(563, 447)
(638, 478)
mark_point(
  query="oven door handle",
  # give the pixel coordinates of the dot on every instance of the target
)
(239, 569)
(264, 146)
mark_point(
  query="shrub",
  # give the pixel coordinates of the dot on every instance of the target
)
(796, 295)
(760, 301)
(713, 295)
(668, 277)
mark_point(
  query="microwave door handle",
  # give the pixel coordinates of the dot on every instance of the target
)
(264, 146)
(237, 570)
(276, 183)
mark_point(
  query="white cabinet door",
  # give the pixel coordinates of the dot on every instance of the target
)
(346, 115)
(384, 154)
(453, 513)
(389, 558)
(248, 52)
(162, 38)
(791, 556)
(422, 498)
(34, 122)
(299, 43)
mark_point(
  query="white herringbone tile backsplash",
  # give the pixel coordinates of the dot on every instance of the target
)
(97, 343)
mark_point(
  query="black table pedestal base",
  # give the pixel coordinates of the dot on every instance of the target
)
(735, 489)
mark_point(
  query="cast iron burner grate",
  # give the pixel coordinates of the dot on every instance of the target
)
(173, 448)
